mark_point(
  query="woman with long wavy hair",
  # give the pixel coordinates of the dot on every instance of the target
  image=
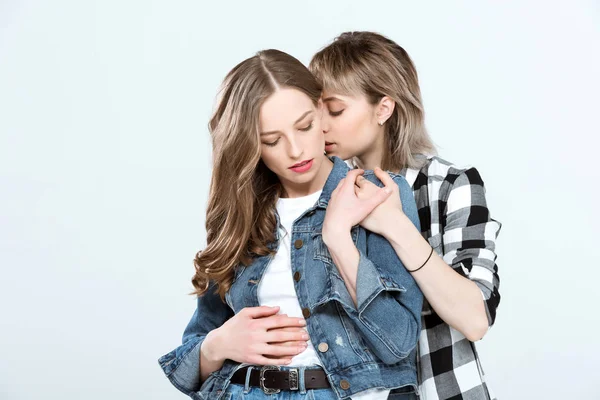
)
(294, 297)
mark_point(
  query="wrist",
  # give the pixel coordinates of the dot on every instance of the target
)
(337, 242)
(398, 226)
(211, 348)
(335, 235)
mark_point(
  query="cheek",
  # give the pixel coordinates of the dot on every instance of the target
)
(269, 157)
(352, 128)
(317, 140)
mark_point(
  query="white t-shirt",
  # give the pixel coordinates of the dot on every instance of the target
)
(276, 288)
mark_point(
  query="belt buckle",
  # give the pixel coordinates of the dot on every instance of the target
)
(293, 378)
(264, 369)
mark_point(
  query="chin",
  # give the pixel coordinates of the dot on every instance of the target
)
(304, 178)
(339, 154)
(300, 179)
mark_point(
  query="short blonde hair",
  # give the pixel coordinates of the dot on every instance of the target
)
(371, 64)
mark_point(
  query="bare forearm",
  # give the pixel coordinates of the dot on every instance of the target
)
(210, 358)
(456, 299)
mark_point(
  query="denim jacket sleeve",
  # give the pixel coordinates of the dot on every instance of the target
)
(182, 365)
(389, 302)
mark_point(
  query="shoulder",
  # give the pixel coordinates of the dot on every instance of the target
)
(442, 175)
(441, 169)
(398, 178)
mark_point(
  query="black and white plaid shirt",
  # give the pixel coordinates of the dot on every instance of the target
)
(456, 222)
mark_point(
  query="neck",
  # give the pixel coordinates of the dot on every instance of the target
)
(292, 189)
(373, 156)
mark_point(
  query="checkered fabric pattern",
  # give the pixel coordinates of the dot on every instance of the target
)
(456, 222)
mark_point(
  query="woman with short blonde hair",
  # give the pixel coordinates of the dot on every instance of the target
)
(375, 117)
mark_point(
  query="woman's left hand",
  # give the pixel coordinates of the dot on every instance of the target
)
(346, 208)
(378, 218)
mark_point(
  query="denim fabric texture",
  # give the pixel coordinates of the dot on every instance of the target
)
(371, 344)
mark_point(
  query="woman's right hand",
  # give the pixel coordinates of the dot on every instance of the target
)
(257, 335)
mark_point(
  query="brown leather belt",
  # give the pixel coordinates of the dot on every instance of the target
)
(272, 380)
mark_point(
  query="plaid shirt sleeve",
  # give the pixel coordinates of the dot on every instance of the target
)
(456, 222)
(469, 235)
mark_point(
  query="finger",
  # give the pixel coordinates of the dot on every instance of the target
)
(281, 321)
(364, 192)
(292, 343)
(274, 337)
(261, 311)
(275, 358)
(367, 185)
(384, 177)
(379, 197)
(279, 350)
(349, 179)
(262, 360)
(360, 181)
(359, 192)
(289, 329)
(353, 175)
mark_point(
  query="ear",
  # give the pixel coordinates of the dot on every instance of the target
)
(385, 108)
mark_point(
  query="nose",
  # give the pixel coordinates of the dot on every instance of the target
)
(325, 123)
(295, 150)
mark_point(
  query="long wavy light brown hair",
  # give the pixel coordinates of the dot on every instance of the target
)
(240, 217)
(371, 64)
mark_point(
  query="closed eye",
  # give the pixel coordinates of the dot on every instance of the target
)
(336, 113)
(306, 129)
(271, 144)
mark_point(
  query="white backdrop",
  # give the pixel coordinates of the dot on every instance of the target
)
(105, 167)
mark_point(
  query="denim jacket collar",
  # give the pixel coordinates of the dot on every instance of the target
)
(339, 171)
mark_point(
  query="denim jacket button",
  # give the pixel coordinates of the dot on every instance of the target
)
(323, 347)
(297, 276)
(306, 312)
(344, 384)
(298, 243)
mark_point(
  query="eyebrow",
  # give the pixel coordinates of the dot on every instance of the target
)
(331, 98)
(298, 120)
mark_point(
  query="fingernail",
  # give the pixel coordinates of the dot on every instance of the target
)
(388, 190)
(305, 336)
(302, 322)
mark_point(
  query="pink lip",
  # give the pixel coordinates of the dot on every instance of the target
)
(302, 166)
(329, 146)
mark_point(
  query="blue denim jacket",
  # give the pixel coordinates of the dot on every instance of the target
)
(371, 344)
